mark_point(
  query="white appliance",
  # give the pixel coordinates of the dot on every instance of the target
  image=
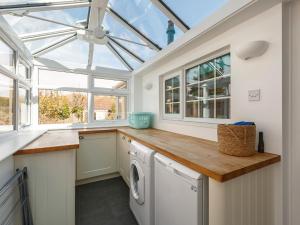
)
(142, 183)
(180, 194)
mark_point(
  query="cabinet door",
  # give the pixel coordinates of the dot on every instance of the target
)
(123, 156)
(96, 155)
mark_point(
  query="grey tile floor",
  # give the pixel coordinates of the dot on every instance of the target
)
(104, 203)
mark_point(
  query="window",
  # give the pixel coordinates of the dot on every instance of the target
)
(6, 103)
(7, 56)
(23, 70)
(55, 79)
(110, 107)
(110, 84)
(63, 98)
(56, 107)
(172, 95)
(24, 106)
(207, 89)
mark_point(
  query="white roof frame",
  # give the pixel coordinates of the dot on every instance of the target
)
(37, 7)
(54, 45)
(47, 34)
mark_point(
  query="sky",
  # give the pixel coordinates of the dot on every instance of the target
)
(140, 13)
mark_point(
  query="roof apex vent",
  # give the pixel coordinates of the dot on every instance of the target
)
(170, 31)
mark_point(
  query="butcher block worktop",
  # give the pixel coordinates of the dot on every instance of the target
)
(198, 154)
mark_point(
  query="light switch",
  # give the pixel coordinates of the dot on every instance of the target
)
(254, 95)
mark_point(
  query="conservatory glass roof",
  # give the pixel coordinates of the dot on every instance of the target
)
(119, 34)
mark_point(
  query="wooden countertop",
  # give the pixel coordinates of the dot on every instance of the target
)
(198, 154)
(52, 141)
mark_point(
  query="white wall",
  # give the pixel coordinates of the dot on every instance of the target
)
(264, 73)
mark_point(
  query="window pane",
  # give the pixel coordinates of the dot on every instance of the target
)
(7, 58)
(207, 89)
(24, 106)
(207, 70)
(207, 109)
(223, 87)
(223, 108)
(172, 95)
(146, 17)
(55, 79)
(192, 92)
(110, 84)
(116, 29)
(23, 70)
(26, 25)
(192, 109)
(62, 107)
(122, 108)
(193, 12)
(6, 103)
(72, 55)
(192, 75)
(223, 66)
(110, 107)
(103, 57)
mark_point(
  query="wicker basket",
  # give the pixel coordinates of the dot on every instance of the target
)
(237, 140)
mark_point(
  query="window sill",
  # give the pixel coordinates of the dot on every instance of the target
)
(209, 123)
(83, 125)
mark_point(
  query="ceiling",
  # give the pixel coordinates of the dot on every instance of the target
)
(118, 34)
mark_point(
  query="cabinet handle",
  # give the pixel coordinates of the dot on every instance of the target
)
(81, 137)
(123, 137)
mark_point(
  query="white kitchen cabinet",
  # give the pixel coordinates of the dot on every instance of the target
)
(123, 146)
(97, 155)
(51, 185)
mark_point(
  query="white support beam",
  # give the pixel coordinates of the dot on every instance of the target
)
(171, 15)
(47, 20)
(91, 55)
(117, 54)
(133, 29)
(47, 34)
(97, 13)
(53, 46)
(37, 7)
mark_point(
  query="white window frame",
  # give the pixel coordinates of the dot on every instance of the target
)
(17, 79)
(196, 63)
(20, 85)
(91, 91)
(168, 116)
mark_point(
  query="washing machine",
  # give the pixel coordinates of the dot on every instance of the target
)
(142, 183)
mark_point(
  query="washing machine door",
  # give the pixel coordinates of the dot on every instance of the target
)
(137, 182)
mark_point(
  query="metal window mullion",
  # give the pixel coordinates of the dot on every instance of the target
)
(133, 55)
(215, 91)
(119, 56)
(54, 46)
(136, 31)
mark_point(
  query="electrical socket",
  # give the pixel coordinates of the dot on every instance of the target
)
(254, 95)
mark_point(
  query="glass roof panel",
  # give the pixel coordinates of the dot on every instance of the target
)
(25, 25)
(132, 62)
(34, 45)
(193, 12)
(103, 57)
(118, 30)
(72, 55)
(17, 2)
(146, 17)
